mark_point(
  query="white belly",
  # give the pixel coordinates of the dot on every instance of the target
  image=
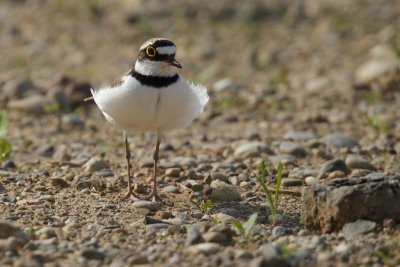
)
(141, 108)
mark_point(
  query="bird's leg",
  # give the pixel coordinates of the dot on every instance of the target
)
(130, 194)
(154, 196)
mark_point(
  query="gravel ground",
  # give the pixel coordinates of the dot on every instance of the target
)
(323, 100)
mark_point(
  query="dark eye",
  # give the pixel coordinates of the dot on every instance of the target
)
(150, 51)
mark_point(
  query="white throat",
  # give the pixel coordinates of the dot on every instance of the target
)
(154, 68)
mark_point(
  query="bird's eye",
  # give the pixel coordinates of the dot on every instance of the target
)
(150, 51)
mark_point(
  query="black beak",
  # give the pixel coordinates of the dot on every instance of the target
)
(175, 63)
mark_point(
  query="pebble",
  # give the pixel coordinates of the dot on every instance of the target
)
(45, 150)
(194, 236)
(357, 228)
(95, 164)
(215, 237)
(8, 230)
(8, 164)
(173, 172)
(310, 180)
(333, 165)
(223, 218)
(268, 251)
(360, 172)
(251, 149)
(336, 174)
(171, 189)
(34, 104)
(72, 120)
(222, 191)
(278, 231)
(292, 148)
(18, 88)
(93, 254)
(205, 248)
(291, 182)
(357, 162)
(284, 159)
(298, 136)
(10, 244)
(224, 85)
(219, 176)
(157, 226)
(339, 141)
(145, 204)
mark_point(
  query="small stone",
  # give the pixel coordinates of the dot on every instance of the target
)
(219, 176)
(292, 149)
(173, 172)
(223, 218)
(360, 172)
(298, 136)
(164, 214)
(224, 85)
(222, 191)
(268, 251)
(34, 104)
(278, 231)
(83, 182)
(139, 188)
(310, 180)
(10, 244)
(171, 189)
(284, 159)
(215, 237)
(95, 164)
(357, 162)
(291, 182)
(46, 233)
(339, 141)
(93, 254)
(8, 230)
(59, 182)
(8, 164)
(336, 174)
(19, 88)
(205, 248)
(333, 165)
(157, 226)
(149, 205)
(72, 120)
(45, 150)
(357, 228)
(251, 149)
(194, 236)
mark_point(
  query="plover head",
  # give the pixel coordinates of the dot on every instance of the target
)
(157, 58)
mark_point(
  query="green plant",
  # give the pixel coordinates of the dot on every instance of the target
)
(389, 256)
(246, 230)
(379, 125)
(201, 201)
(5, 145)
(273, 201)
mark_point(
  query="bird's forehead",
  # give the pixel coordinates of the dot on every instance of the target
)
(159, 43)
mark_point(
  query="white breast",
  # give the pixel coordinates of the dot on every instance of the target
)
(141, 108)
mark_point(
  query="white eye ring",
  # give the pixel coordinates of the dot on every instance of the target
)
(151, 51)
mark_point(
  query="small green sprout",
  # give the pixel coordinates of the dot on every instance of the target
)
(273, 201)
(5, 145)
(202, 202)
(246, 230)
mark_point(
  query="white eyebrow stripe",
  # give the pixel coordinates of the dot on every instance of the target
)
(168, 50)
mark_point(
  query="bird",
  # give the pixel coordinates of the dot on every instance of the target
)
(151, 97)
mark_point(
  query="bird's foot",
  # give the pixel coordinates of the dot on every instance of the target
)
(154, 197)
(133, 196)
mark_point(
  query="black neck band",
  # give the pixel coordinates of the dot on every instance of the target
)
(154, 81)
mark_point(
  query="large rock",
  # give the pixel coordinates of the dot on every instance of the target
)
(222, 191)
(329, 205)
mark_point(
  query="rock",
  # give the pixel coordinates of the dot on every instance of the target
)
(360, 172)
(158, 226)
(10, 244)
(19, 88)
(315, 85)
(72, 120)
(292, 149)
(222, 191)
(251, 149)
(93, 254)
(310, 180)
(333, 165)
(219, 176)
(205, 248)
(223, 218)
(261, 262)
(336, 175)
(278, 231)
(284, 159)
(8, 164)
(339, 141)
(291, 182)
(359, 227)
(46, 233)
(357, 162)
(83, 182)
(327, 206)
(171, 189)
(268, 251)
(149, 205)
(215, 237)
(34, 104)
(95, 164)
(299, 136)
(224, 85)
(194, 236)
(45, 150)
(173, 172)
(9, 230)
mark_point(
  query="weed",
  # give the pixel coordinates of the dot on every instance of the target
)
(5, 145)
(246, 230)
(389, 256)
(379, 125)
(201, 202)
(273, 201)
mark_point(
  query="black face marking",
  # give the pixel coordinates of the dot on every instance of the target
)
(144, 53)
(154, 81)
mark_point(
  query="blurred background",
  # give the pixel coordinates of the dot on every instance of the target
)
(314, 65)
